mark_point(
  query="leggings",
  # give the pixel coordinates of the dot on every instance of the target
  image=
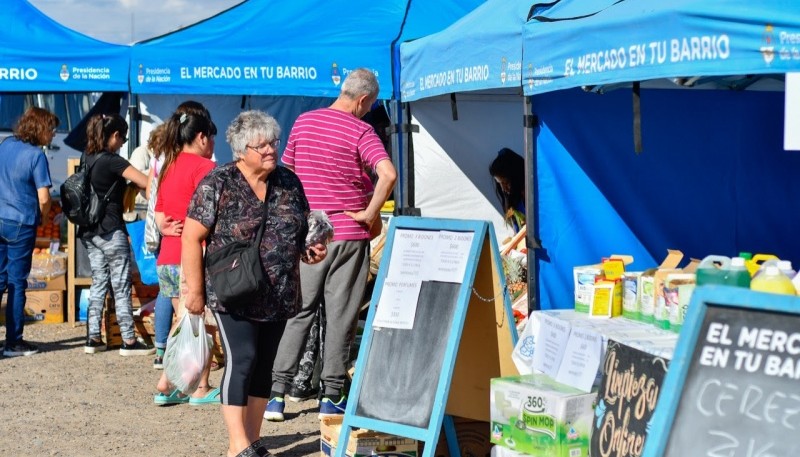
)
(250, 349)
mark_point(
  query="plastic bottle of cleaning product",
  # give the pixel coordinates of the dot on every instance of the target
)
(764, 265)
(737, 273)
(754, 263)
(713, 269)
(786, 268)
(773, 281)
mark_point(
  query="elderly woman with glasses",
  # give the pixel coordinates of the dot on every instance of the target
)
(228, 206)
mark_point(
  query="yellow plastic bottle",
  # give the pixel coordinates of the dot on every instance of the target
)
(772, 280)
(754, 263)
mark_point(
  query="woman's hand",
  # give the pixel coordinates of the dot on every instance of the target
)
(315, 254)
(171, 227)
(195, 302)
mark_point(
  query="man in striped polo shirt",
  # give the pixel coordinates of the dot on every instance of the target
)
(328, 149)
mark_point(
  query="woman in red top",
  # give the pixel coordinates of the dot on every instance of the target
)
(189, 145)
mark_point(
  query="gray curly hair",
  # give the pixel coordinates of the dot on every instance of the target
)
(250, 127)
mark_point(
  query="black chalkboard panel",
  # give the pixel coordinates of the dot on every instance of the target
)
(741, 396)
(626, 400)
(402, 370)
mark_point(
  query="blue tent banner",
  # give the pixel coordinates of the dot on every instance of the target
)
(39, 55)
(596, 43)
(281, 48)
(480, 51)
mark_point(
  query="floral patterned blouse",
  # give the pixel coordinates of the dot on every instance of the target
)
(228, 207)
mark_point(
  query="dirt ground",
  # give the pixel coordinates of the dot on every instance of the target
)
(62, 402)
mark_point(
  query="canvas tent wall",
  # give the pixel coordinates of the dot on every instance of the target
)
(478, 59)
(712, 178)
(284, 57)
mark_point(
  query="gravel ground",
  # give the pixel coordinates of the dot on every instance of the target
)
(62, 402)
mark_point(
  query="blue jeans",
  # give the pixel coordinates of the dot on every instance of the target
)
(163, 320)
(16, 249)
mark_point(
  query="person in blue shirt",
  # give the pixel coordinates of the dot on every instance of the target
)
(508, 171)
(24, 202)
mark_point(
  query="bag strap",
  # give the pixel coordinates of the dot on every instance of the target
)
(260, 232)
(107, 195)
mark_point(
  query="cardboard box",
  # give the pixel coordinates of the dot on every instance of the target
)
(607, 301)
(362, 442)
(536, 415)
(44, 301)
(647, 288)
(585, 277)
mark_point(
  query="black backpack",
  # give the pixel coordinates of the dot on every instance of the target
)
(79, 201)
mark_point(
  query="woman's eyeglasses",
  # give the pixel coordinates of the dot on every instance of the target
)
(262, 148)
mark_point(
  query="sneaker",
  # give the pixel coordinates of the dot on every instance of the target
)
(20, 348)
(328, 408)
(158, 363)
(298, 394)
(137, 348)
(92, 345)
(274, 411)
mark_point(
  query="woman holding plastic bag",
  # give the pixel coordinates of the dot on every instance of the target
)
(250, 201)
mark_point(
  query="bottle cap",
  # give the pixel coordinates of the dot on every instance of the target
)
(737, 262)
(772, 270)
(784, 265)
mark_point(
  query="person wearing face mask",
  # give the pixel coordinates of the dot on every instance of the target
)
(107, 241)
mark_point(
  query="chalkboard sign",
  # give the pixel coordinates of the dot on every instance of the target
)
(732, 388)
(402, 369)
(440, 326)
(627, 397)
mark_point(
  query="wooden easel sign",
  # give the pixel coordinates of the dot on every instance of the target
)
(733, 386)
(439, 327)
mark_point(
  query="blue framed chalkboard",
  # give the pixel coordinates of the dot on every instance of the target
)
(732, 385)
(411, 381)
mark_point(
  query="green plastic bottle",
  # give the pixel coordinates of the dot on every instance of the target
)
(713, 269)
(737, 274)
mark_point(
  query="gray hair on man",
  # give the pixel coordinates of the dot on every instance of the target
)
(250, 127)
(361, 81)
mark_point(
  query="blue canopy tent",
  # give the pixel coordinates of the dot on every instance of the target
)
(263, 51)
(712, 176)
(45, 64)
(38, 54)
(463, 88)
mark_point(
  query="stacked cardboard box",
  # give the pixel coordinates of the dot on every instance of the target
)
(44, 301)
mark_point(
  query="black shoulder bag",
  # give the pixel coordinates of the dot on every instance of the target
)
(235, 269)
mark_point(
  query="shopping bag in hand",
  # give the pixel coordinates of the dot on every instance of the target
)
(187, 354)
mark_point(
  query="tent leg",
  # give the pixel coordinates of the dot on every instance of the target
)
(531, 195)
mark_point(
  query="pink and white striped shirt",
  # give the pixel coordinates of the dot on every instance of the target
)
(328, 149)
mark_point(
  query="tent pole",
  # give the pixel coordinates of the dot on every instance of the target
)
(403, 157)
(531, 122)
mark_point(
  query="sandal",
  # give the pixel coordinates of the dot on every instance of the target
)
(212, 397)
(174, 398)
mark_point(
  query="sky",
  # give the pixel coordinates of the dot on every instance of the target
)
(127, 21)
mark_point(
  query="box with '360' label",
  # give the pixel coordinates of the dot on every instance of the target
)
(536, 415)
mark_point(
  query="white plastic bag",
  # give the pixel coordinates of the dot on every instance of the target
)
(187, 354)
